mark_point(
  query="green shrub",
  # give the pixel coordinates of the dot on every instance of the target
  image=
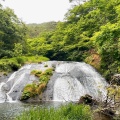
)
(30, 90)
(15, 63)
(67, 112)
(44, 78)
(9, 65)
(49, 71)
(20, 60)
(35, 59)
(36, 73)
(46, 65)
(76, 112)
(41, 88)
(33, 72)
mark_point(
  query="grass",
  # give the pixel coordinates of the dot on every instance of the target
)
(32, 90)
(13, 64)
(43, 76)
(37, 73)
(67, 112)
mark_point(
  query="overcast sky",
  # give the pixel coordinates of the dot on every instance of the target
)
(38, 11)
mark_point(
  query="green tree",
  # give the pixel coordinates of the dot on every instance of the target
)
(107, 41)
(12, 30)
(18, 49)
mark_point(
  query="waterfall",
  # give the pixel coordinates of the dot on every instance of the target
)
(2, 93)
(67, 88)
(12, 89)
(69, 82)
(78, 79)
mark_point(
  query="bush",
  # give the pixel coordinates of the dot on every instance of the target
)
(9, 65)
(20, 60)
(44, 78)
(36, 73)
(67, 112)
(30, 90)
(49, 71)
(41, 88)
(13, 64)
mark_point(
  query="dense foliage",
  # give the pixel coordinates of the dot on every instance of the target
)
(12, 31)
(35, 30)
(67, 112)
(90, 33)
(13, 64)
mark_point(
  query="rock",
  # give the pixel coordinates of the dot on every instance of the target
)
(108, 111)
(87, 99)
(35, 99)
(116, 79)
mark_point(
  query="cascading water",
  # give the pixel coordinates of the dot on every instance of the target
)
(2, 93)
(76, 80)
(68, 88)
(69, 82)
(12, 89)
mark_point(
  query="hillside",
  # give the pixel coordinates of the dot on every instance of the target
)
(34, 30)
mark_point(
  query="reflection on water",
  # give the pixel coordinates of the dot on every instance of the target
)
(9, 110)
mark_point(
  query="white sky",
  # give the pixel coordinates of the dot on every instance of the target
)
(38, 11)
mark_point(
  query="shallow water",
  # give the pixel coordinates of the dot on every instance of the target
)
(8, 111)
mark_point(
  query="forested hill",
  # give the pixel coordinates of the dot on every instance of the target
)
(35, 30)
(90, 33)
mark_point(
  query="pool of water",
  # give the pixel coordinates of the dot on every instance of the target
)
(8, 111)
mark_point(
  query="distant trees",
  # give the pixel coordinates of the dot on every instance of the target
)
(35, 30)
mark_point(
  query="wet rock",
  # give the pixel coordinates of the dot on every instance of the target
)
(32, 99)
(116, 79)
(87, 99)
